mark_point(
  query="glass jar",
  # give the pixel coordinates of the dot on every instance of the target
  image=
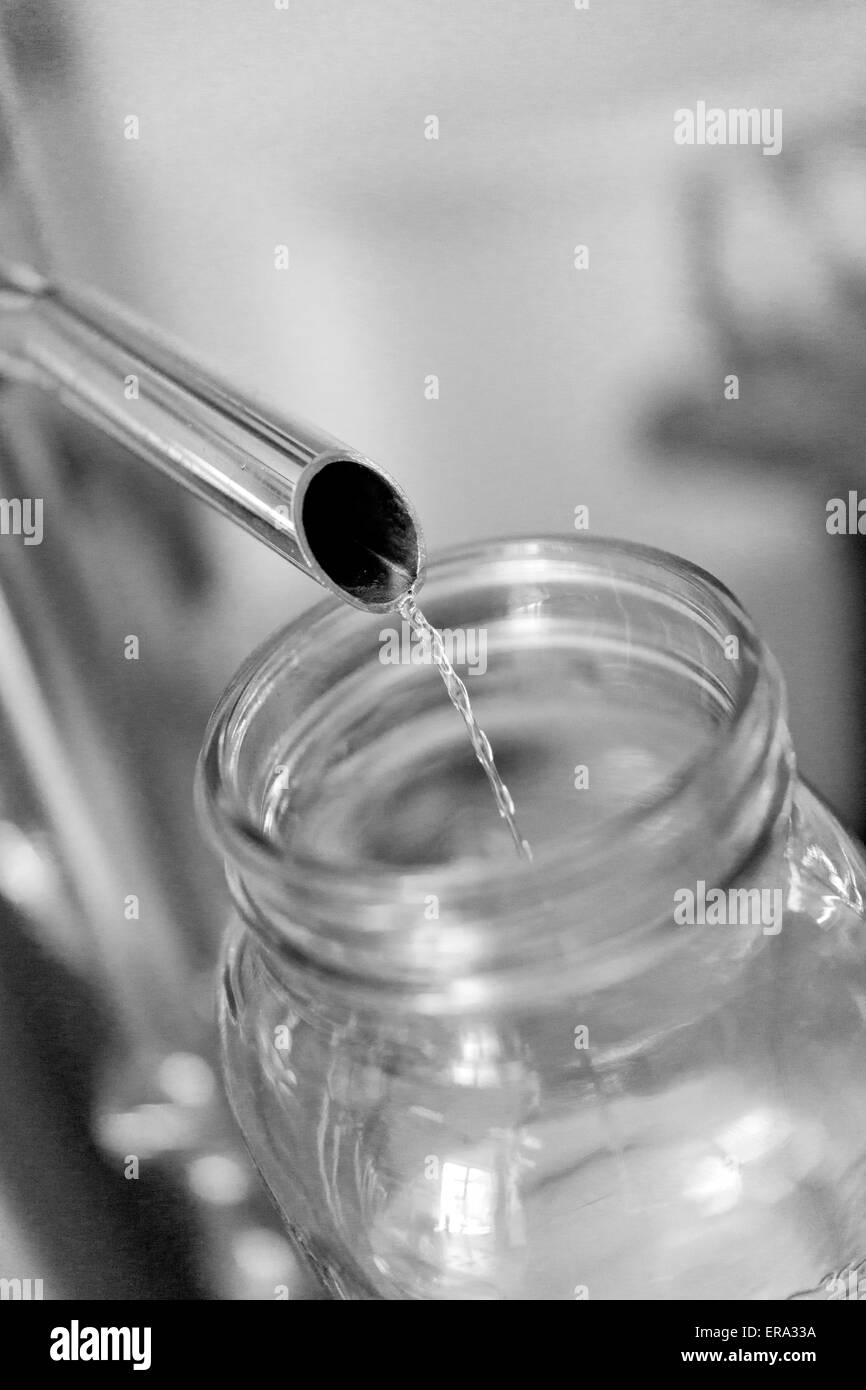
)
(633, 1069)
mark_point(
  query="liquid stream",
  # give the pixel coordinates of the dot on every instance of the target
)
(459, 697)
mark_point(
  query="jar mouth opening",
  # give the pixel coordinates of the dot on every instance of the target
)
(755, 702)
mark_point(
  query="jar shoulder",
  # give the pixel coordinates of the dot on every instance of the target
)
(826, 867)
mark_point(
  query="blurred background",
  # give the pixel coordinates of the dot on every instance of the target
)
(432, 315)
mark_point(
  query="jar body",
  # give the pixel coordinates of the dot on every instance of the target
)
(636, 1071)
(719, 1156)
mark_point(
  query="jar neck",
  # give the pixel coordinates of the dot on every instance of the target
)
(597, 906)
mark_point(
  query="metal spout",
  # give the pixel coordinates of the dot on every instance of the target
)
(328, 509)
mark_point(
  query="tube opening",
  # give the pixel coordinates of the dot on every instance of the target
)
(360, 531)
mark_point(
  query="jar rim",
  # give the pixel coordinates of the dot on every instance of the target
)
(247, 847)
